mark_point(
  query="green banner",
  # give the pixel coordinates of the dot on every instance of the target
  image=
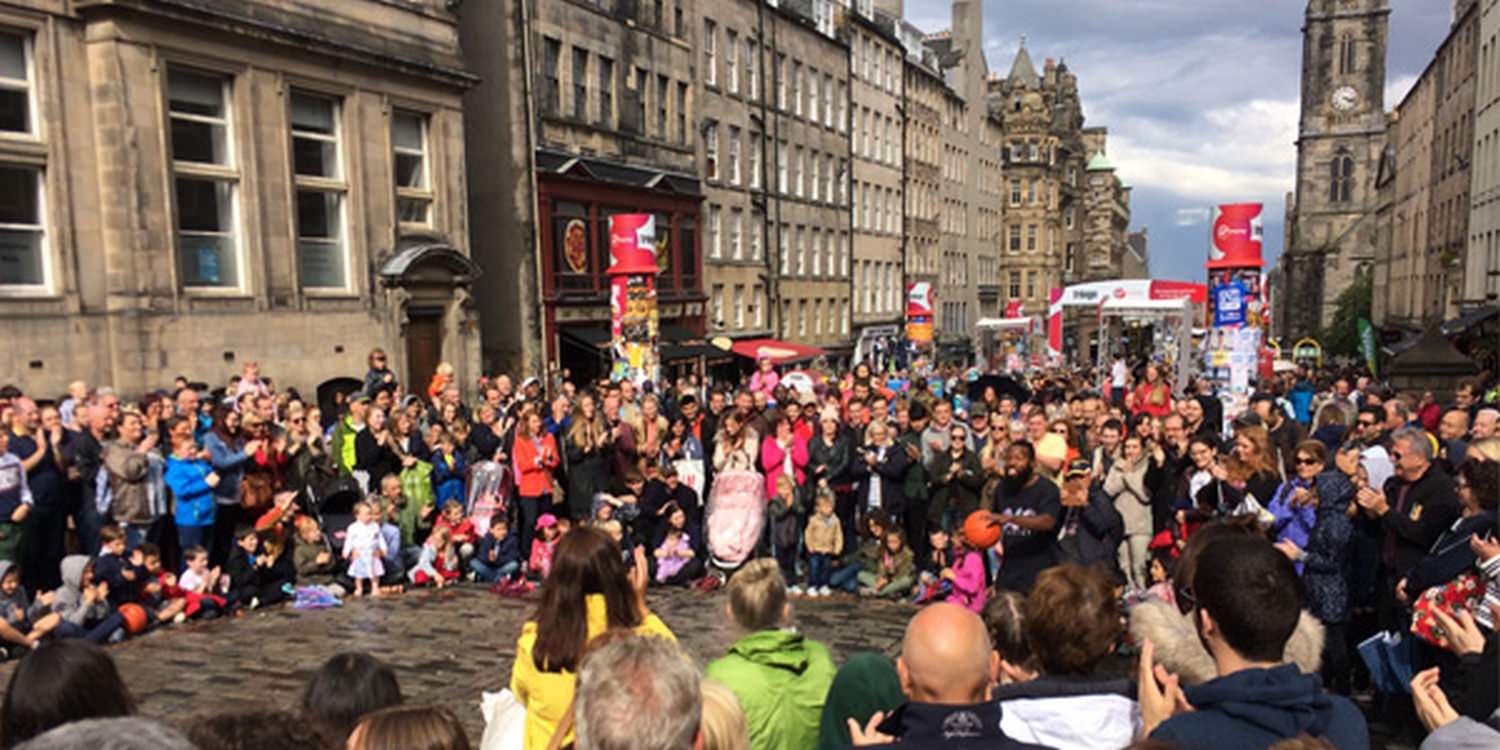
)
(1367, 344)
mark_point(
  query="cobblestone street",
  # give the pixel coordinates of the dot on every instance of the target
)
(447, 647)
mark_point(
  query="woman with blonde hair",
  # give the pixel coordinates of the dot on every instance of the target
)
(587, 449)
(409, 728)
(1252, 447)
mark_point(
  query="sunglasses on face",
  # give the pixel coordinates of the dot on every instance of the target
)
(1305, 461)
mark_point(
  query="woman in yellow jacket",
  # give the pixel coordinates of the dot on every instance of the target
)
(588, 592)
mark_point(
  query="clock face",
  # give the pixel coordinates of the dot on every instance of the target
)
(1345, 98)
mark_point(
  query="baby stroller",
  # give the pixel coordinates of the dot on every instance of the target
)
(735, 518)
(487, 494)
(331, 504)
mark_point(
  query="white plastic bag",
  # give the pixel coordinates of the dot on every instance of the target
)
(504, 721)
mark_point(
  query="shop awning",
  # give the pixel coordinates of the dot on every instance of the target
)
(780, 352)
(588, 337)
(1476, 317)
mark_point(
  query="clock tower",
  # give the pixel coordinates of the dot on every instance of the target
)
(1340, 139)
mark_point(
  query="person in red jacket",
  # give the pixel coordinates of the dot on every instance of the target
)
(536, 458)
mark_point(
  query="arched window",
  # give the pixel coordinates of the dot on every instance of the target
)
(1346, 54)
(1341, 174)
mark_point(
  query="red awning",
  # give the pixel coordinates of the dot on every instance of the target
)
(780, 352)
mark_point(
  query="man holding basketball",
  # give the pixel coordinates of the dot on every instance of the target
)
(1027, 508)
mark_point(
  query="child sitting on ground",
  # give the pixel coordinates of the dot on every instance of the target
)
(824, 538)
(439, 563)
(165, 603)
(122, 575)
(866, 556)
(202, 585)
(543, 545)
(364, 548)
(499, 553)
(895, 572)
(676, 562)
(460, 529)
(83, 604)
(257, 576)
(23, 622)
(932, 585)
(311, 556)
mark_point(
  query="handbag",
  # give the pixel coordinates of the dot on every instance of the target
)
(256, 492)
(504, 721)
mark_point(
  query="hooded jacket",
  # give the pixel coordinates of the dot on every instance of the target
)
(781, 679)
(1179, 650)
(128, 471)
(1070, 712)
(923, 725)
(30, 611)
(1253, 709)
(69, 601)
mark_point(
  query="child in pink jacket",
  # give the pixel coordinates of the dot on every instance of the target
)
(967, 576)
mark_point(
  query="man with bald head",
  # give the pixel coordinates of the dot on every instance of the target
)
(947, 670)
(1486, 423)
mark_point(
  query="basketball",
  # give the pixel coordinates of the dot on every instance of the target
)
(979, 531)
(135, 618)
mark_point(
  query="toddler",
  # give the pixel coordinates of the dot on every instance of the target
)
(23, 622)
(824, 538)
(676, 562)
(364, 547)
(499, 554)
(544, 545)
(122, 575)
(311, 556)
(460, 530)
(966, 575)
(159, 592)
(438, 563)
(894, 573)
(931, 584)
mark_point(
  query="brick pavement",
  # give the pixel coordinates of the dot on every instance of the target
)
(446, 646)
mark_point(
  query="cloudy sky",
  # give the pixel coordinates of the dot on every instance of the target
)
(1200, 96)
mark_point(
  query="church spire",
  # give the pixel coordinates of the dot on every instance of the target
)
(1022, 71)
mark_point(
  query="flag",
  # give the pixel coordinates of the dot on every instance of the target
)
(1367, 344)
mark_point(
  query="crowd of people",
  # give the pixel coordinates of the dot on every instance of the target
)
(1104, 546)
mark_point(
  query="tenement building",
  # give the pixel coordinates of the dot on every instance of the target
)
(190, 186)
(1481, 284)
(1419, 268)
(1332, 226)
(969, 185)
(923, 98)
(878, 82)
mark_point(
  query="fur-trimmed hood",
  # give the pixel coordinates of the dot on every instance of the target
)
(1180, 652)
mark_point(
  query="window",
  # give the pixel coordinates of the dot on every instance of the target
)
(802, 317)
(779, 71)
(663, 86)
(715, 249)
(812, 95)
(1341, 178)
(716, 306)
(206, 181)
(23, 235)
(736, 230)
(1030, 237)
(755, 163)
(640, 82)
(413, 193)
(797, 89)
(732, 61)
(817, 317)
(1031, 284)
(843, 183)
(606, 113)
(15, 85)
(711, 151)
(682, 114)
(799, 170)
(817, 252)
(815, 177)
(1068, 217)
(755, 230)
(1015, 284)
(781, 167)
(752, 70)
(785, 246)
(842, 118)
(758, 306)
(1346, 54)
(734, 156)
(580, 83)
(551, 87)
(1015, 239)
(827, 100)
(739, 305)
(321, 259)
(710, 52)
(843, 252)
(801, 251)
(829, 177)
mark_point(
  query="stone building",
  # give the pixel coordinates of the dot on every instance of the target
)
(609, 111)
(877, 89)
(922, 102)
(1341, 138)
(1106, 214)
(1419, 268)
(969, 191)
(192, 186)
(1043, 158)
(1481, 281)
(1137, 261)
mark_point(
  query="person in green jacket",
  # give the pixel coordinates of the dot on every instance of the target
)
(780, 676)
(346, 430)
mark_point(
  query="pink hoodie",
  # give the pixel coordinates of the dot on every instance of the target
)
(968, 582)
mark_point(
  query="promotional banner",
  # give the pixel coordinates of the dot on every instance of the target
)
(1124, 292)
(1236, 236)
(919, 312)
(1367, 344)
(632, 298)
(1229, 304)
(1252, 304)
